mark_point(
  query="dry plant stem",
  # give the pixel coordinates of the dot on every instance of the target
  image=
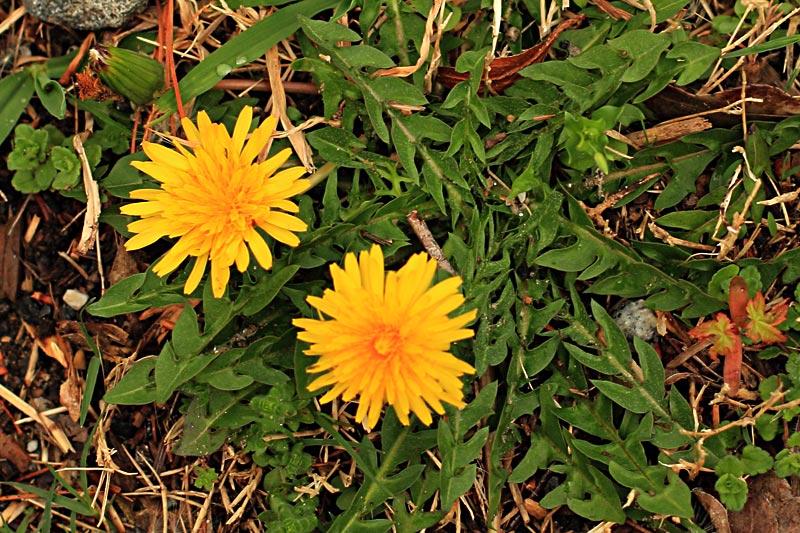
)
(662, 133)
(93, 207)
(612, 11)
(726, 243)
(497, 12)
(169, 59)
(749, 417)
(66, 257)
(294, 87)
(760, 37)
(296, 137)
(665, 236)
(400, 72)
(688, 354)
(744, 105)
(60, 439)
(13, 17)
(73, 65)
(426, 238)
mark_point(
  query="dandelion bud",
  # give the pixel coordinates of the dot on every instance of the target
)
(135, 76)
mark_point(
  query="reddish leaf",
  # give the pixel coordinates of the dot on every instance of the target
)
(737, 300)
(721, 332)
(732, 367)
(761, 327)
(503, 71)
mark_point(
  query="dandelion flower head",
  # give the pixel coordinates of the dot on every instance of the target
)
(388, 338)
(213, 197)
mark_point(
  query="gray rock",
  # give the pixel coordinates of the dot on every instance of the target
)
(636, 320)
(85, 14)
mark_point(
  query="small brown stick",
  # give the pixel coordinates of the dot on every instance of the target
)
(665, 236)
(73, 65)
(295, 87)
(426, 238)
(612, 11)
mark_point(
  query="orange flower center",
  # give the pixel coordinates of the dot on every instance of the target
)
(387, 343)
(237, 219)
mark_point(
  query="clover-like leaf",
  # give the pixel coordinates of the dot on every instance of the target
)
(30, 148)
(762, 324)
(732, 491)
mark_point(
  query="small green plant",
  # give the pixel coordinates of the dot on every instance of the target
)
(787, 461)
(295, 516)
(206, 477)
(586, 142)
(41, 160)
(731, 470)
(45, 159)
(17, 89)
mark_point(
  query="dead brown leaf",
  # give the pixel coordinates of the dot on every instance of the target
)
(502, 72)
(10, 450)
(9, 259)
(723, 109)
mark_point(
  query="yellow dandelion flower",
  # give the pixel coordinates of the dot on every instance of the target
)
(388, 337)
(213, 197)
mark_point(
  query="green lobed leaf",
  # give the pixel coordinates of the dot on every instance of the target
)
(732, 491)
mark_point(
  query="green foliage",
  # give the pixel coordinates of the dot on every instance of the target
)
(44, 159)
(730, 470)
(206, 477)
(284, 516)
(16, 91)
(508, 184)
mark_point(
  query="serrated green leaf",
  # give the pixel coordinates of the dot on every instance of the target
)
(666, 9)
(732, 491)
(117, 298)
(755, 460)
(675, 498)
(336, 145)
(171, 372)
(772, 44)
(201, 434)
(455, 485)
(186, 340)
(123, 177)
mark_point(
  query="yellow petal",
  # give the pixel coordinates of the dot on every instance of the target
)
(196, 275)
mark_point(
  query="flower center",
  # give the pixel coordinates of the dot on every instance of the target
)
(238, 220)
(387, 343)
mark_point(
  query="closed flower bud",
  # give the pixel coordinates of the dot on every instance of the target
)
(130, 74)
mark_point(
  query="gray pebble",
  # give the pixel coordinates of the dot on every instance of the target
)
(636, 320)
(85, 14)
